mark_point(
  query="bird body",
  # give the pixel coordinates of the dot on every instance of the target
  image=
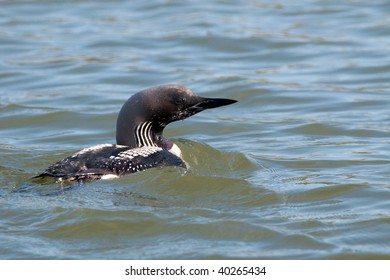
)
(140, 141)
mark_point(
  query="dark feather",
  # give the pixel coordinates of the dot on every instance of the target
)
(102, 160)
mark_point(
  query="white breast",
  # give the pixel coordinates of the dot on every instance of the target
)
(175, 150)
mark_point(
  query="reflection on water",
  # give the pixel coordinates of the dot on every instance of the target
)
(298, 168)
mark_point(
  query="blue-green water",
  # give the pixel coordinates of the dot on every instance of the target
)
(297, 169)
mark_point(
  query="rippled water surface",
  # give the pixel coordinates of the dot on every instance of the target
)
(297, 169)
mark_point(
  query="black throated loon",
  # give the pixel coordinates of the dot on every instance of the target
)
(140, 142)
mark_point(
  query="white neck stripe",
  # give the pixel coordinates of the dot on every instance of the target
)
(143, 134)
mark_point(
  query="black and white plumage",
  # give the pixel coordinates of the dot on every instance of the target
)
(140, 141)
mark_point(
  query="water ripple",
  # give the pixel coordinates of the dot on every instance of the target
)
(298, 168)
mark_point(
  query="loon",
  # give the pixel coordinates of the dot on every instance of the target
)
(139, 136)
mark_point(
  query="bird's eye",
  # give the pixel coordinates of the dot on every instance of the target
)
(180, 100)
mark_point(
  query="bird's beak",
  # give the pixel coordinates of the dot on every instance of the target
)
(209, 103)
(203, 103)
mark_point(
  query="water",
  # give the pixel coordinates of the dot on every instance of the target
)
(297, 169)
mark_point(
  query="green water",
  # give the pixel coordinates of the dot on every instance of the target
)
(297, 169)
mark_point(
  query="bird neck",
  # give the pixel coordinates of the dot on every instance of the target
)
(143, 134)
(150, 134)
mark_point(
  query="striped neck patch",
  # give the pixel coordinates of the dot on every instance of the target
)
(143, 134)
